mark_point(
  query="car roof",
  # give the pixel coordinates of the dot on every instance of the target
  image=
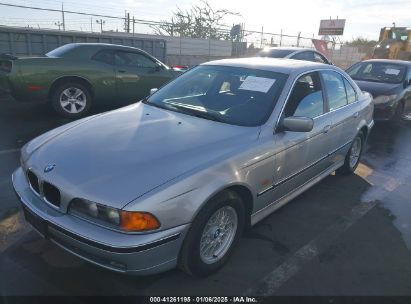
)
(403, 62)
(105, 45)
(290, 48)
(281, 65)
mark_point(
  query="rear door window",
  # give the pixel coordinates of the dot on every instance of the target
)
(335, 89)
(320, 58)
(306, 55)
(134, 60)
(351, 95)
(105, 56)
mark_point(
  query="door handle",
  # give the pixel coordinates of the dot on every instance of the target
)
(327, 128)
(356, 115)
(121, 71)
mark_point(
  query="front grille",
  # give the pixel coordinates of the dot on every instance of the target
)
(51, 194)
(34, 181)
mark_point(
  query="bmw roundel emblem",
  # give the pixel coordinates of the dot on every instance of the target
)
(49, 168)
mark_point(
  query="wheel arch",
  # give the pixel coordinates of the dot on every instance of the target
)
(364, 131)
(74, 78)
(242, 191)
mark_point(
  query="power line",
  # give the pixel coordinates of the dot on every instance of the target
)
(81, 13)
(125, 19)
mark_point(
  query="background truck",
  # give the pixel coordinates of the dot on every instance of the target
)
(394, 43)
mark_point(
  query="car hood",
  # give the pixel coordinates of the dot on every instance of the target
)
(116, 157)
(378, 88)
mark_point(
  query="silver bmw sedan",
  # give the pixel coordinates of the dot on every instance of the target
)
(175, 179)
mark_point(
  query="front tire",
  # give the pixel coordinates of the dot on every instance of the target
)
(352, 159)
(399, 114)
(213, 235)
(71, 100)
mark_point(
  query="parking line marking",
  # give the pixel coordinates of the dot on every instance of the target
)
(280, 275)
(9, 151)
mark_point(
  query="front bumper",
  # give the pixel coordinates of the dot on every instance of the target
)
(122, 252)
(384, 112)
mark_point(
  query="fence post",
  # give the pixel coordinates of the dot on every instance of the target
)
(179, 57)
(262, 37)
(281, 37)
(209, 43)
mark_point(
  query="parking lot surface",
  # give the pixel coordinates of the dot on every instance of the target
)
(346, 236)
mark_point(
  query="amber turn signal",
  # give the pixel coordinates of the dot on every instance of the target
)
(138, 221)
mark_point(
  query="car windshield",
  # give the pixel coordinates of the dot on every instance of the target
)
(377, 72)
(61, 51)
(233, 95)
(274, 53)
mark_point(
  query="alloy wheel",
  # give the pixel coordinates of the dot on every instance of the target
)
(73, 100)
(218, 234)
(355, 152)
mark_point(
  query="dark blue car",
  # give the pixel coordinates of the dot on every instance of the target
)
(389, 82)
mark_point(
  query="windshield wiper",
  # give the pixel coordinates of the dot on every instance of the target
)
(186, 110)
(195, 112)
(146, 101)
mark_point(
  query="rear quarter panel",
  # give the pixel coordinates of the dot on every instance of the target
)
(43, 72)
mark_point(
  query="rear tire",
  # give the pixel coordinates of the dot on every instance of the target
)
(352, 159)
(71, 100)
(213, 235)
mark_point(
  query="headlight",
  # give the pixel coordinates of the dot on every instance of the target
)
(125, 220)
(384, 99)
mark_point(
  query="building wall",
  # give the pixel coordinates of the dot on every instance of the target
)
(36, 42)
(191, 51)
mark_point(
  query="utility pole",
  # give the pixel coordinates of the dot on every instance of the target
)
(262, 37)
(59, 24)
(91, 24)
(101, 22)
(62, 14)
(134, 23)
(126, 22)
(172, 26)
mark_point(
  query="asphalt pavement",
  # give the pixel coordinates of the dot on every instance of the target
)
(346, 236)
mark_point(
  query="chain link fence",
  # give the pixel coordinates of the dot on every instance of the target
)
(183, 50)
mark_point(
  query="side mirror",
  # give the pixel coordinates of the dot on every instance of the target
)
(153, 90)
(297, 124)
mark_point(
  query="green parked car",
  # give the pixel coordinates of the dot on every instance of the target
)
(75, 76)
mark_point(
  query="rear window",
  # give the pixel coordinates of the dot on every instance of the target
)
(274, 53)
(61, 51)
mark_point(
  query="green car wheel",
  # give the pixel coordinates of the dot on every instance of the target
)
(71, 100)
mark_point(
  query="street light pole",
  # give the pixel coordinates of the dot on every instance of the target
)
(101, 22)
(59, 24)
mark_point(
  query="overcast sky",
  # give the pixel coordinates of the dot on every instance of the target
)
(364, 18)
